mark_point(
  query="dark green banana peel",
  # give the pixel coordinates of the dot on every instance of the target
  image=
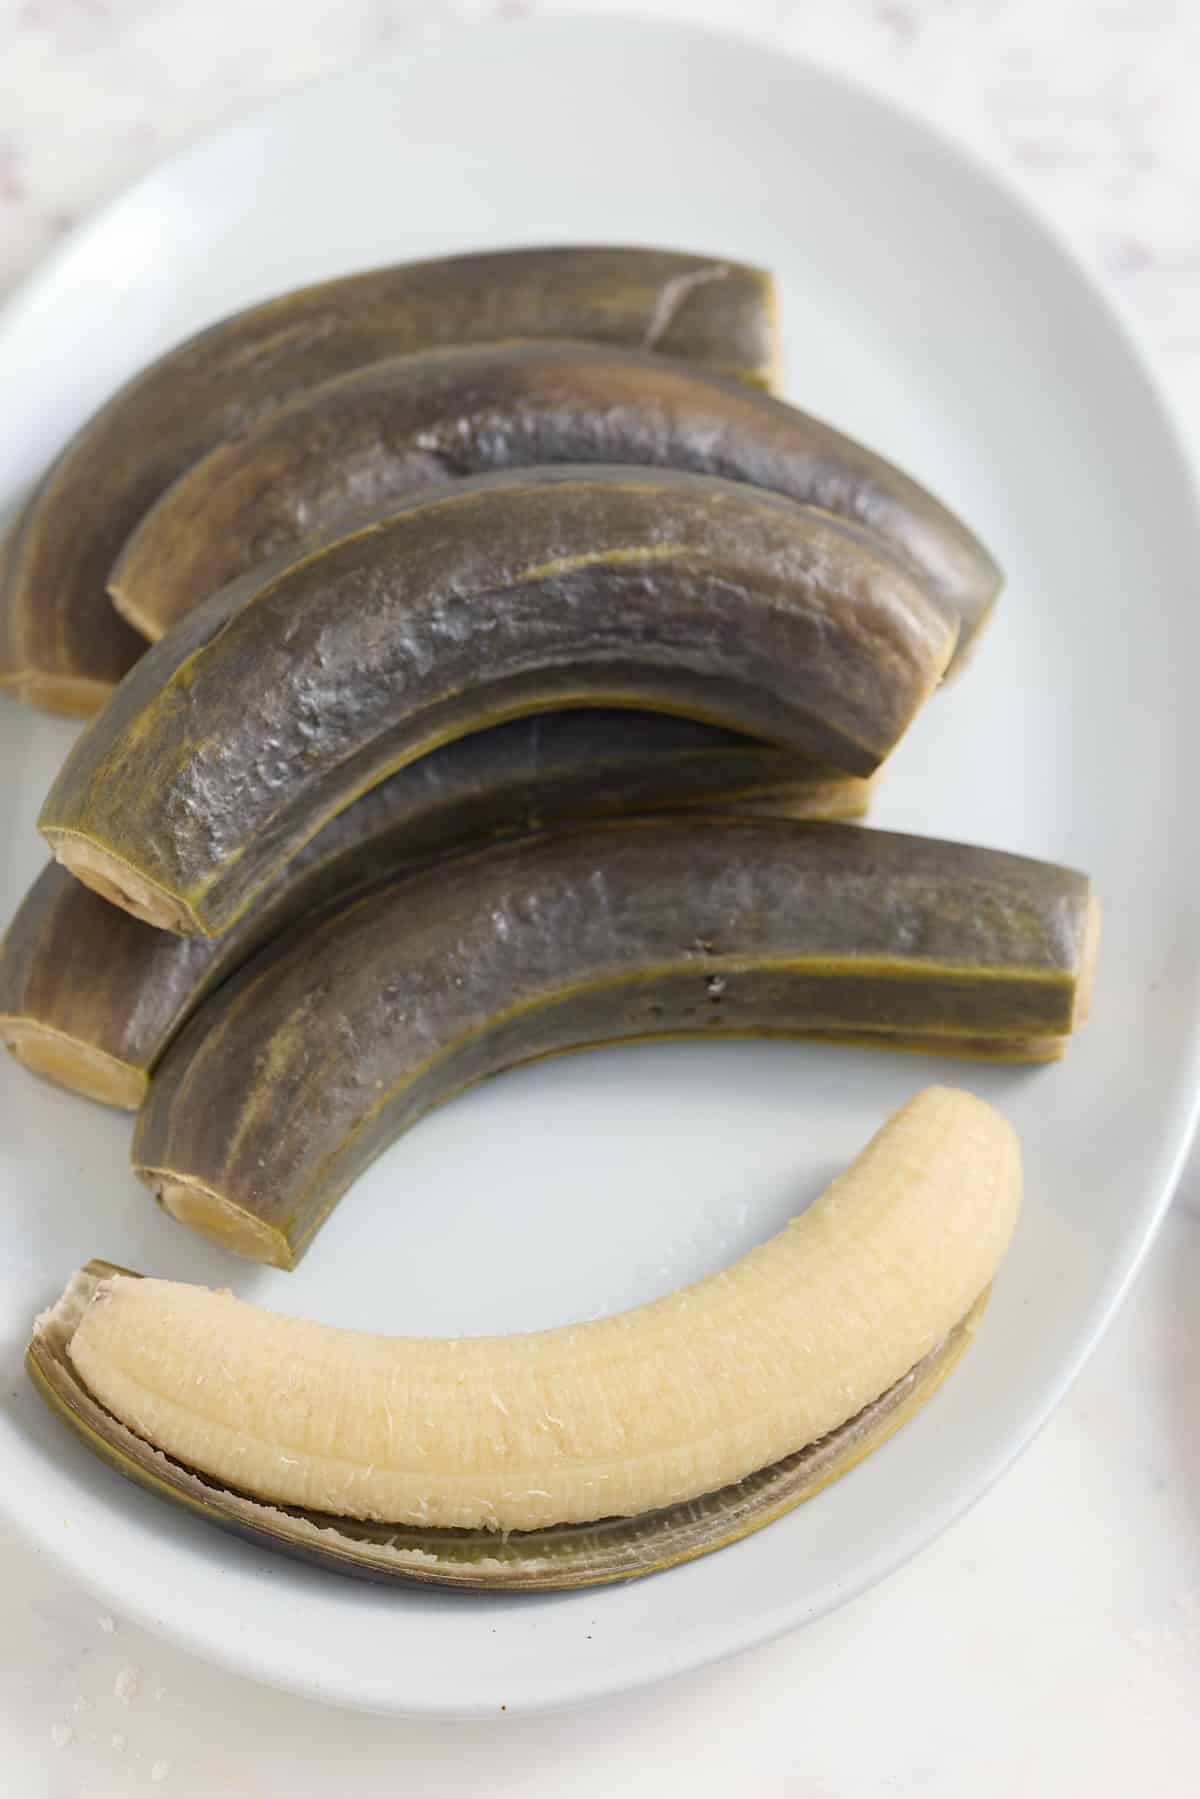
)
(63, 647)
(90, 996)
(277, 703)
(295, 1074)
(358, 442)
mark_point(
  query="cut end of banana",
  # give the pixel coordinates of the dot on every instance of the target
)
(77, 1066)
(69, 696)
(218, 1219)
(844, 796)
(774, 376)
(123, 595)
(1088, 958)
(116, 881)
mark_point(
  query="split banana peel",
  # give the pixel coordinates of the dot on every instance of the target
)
(565, 1457)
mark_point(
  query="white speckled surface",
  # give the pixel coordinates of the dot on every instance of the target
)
(1048, 1645)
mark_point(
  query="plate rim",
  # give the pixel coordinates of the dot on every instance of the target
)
(436, 47)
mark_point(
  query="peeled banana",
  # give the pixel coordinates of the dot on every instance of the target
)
(680, 1403)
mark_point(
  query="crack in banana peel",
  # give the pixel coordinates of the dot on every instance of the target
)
(554, 1557)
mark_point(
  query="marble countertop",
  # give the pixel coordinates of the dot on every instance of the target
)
(1048, 1645)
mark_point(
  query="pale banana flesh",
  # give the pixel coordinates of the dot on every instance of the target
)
(615, 1417)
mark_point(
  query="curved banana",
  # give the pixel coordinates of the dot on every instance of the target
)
(298, 1072)
(279, 701)
(562, 1556)
(62, 646)
(414, 421)
(90, 996)
(655, 1408)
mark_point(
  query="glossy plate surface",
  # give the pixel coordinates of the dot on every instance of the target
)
(927, 312)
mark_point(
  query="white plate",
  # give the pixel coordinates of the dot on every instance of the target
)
(927, 312)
